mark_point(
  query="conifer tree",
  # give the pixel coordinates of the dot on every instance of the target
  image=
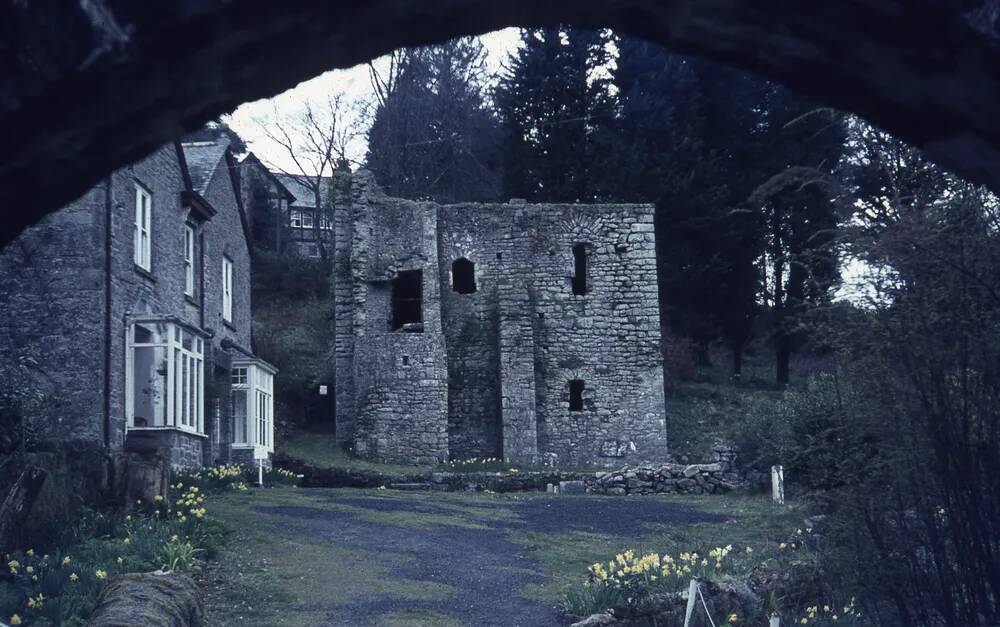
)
(551, 101)
(432, 134)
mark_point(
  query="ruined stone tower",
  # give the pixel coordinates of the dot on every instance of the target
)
(496, 330)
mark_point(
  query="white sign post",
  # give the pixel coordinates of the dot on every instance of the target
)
(260, 472)
(692, 599)
(775, 621)
(778, 484)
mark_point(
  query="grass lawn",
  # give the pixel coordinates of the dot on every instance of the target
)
(320, 449)
(379, 557)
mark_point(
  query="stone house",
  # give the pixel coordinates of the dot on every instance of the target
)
(134, 302)
(528, 332)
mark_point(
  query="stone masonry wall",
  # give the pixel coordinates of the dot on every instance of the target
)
(399, 378)
(51, 310)
(158, 292)
(502, 356)
(471, 329)
(608, 337)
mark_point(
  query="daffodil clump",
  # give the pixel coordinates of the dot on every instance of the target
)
(235, 477)
(831, 614)
(630, 571)
(631, 580)
(55, 588)
(479, 464)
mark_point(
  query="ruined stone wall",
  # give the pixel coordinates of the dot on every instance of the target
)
(342, 279)
(399, 378)
(608, 337)
(472, 334)
(502, 355)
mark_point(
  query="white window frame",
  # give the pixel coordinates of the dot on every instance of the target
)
(142, 241)
(295, 219)
(307, 219)
(227, 289)
(184, 388)
(258, 387)
(189, 248)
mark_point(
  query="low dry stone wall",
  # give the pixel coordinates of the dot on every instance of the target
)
(717, 477)
(503, 481)
(666, 479)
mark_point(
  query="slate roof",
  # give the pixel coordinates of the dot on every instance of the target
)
(303, 194)
(203, 159)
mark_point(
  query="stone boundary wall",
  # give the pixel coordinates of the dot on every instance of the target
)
(714, 478)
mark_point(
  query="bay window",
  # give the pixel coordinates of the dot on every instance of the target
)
(253, 405)
(165, 378)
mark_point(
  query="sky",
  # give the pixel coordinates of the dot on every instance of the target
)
(353, 83)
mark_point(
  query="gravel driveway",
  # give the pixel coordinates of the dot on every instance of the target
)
(465, 550)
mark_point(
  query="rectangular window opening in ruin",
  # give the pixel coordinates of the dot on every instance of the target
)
(580, 269)
(407, 301)
(576, 387)
(463, 276)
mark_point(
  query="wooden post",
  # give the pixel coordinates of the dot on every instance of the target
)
(775, 621)
(778, 484)
(692, 598)
(260, 472)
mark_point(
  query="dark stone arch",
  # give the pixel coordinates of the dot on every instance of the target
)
(87, 87)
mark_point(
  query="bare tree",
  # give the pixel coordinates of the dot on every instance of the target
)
(316, 140)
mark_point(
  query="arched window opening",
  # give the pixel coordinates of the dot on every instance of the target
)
(576, 387)
(463, 276)
(580, 269)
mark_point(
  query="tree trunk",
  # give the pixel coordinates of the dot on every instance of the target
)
(783, 355)
(737, 361)
(16, 507)
(778, 256)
